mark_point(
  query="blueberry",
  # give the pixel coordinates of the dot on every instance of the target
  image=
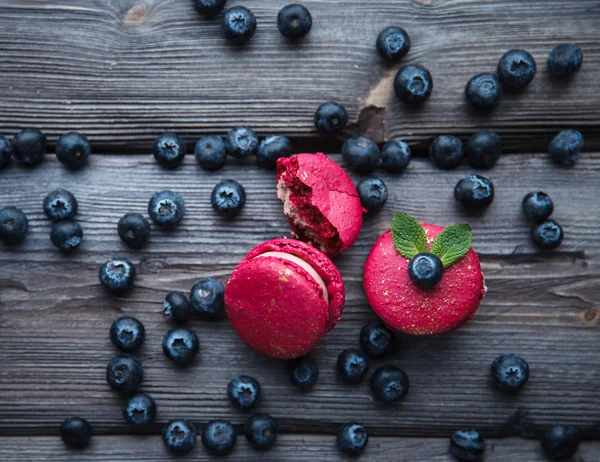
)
(238, 25)
(243, 391)
(127, 333)
(425, 270)
(483, 91)
(228, 198)
(134, 230)
(29, 147)
(209, 8)
(294, 21)
(272, 148)
(169, 150)
(66, 235)
(361, 154)
(176, 307)
(179, 436)
(5, 151)
(13, 225)
(261, 431)
(474, 192)
(516, 69)
(166, 209)
(140, 410)
(73, 150)
(538, 206)
(467, 445)
(352, 439)
(447, 152)
(207, 298)
(75, 432)
(331, 117)
(565, 59)
(304, 372)
(413, 84)
(352, 365)
(241, 142)
(124, 373)
(393, 43)
(483, 149)
(210, 152)
(547, 235)
(560, 442)
(60, 205)
(373, 193)
(181, 345)
(218, 437)
(566, 147)
(389, 384)
(510, 372)
(395, 156)
(376, 340)
(117, 274)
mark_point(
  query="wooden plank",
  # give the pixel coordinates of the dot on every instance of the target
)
(124, 71)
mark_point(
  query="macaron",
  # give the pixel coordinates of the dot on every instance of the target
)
(405, 307)
(283, 297)
(320, 201)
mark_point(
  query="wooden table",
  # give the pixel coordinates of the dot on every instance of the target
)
(124, 71)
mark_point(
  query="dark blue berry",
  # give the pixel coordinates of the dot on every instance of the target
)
(75, 432)
(395, 156)
(467, 445)
(304, 372)
(483, 149)
(241, 142)
(361, 154)
(294, 21)
(124, 373)
(127, 333)
(179, 436)
(447, 152)
(425, 270)
(73, 150)
(181, 345)
(140, 410)
(166, 209)
(29, 147)
(560, 442)
(261, 431)
(209, 8)
(5, 151)
(134, 230)
(238, 25)
(13, 225)
(516, 69)
(352, 439)
(538, 206)
(117, 274)
(228, 198)
(169, 150)
(243, 391)
(376, 340)
(218, 437)
(565, 59)
(60, 205)
(207, 298)
(210, 152)
(66, 235)
(510, 372)
(176, 307)
(389, 384)
(393, 43)
(272, 148)
(373, 193)
(474, 192)
(483, 91)
(352, 365)
(547, 235)
(566, 147)
(331, 117)
(413, 84)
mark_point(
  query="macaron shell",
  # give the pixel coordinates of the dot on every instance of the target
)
(407, 308)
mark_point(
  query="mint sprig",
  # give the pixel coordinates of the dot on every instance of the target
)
(408, 235)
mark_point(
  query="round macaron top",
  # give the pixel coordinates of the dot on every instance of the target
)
(405, 307)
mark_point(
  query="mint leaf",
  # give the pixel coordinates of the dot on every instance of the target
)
(452, 244)
(408, 235)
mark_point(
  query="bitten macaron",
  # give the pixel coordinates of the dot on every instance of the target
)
(320, 201)
(283, 297)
